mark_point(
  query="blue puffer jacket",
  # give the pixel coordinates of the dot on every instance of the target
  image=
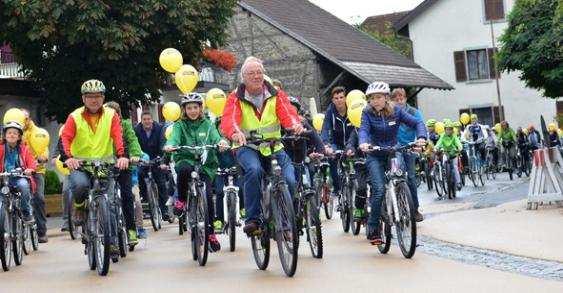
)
(382, 131)
(406, 133)
(336, 129)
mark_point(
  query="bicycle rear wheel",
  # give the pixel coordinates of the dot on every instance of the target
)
(328, 201)
(286, 234)
(345, 210)
(232, 220)
(102, 236)
(314, 229)
(27, 245)
(261, 248)
(406, 227)
(18, 240)
(122, 234)
(5, 241)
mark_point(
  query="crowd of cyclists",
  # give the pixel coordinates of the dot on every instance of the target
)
(260, 124)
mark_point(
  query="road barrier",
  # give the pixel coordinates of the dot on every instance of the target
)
(546, 179)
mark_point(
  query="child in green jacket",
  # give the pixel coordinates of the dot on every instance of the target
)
(450, 144)
(195, 130)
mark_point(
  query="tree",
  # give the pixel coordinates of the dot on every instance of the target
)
(532, 45)
(61, 43)
(390, 38)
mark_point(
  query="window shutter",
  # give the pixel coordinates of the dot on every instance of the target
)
(494, 9)
(492, 52)
(496, 114)
(459, 61)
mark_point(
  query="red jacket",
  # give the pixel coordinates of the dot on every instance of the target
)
(232, 115)
(26, 160)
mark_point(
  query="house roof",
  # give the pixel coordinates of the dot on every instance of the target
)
(339, 42)
(379, 22)
(413, 13)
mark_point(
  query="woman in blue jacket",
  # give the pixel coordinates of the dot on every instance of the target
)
(379, 127)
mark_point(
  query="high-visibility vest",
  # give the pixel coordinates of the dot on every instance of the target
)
(89, 144)
(268, 126)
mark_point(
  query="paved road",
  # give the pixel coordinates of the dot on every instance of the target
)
(349, 265)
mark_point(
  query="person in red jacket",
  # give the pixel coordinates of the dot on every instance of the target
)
(257, 108)
(14, 154)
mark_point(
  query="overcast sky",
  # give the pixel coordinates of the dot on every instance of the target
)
(355, 11)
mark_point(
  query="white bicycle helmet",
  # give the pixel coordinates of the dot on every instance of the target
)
(13, 124)
(378, 87)
(93, 86)
(192, 98)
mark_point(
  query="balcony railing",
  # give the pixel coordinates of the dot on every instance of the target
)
(8, 66)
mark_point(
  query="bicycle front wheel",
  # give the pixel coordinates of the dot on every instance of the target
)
(200, 231)
(406, 225)
(154, 209)
(313, 226)
(18, 239)
(5, 241)
(385, 229)
(102, 236)
(286, 234)
(345, 210)
(232, 220)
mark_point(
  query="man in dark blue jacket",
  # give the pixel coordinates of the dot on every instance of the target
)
(336, 130)
(151, 138)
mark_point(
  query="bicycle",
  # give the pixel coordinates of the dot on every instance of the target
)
(278, 216)
(72, 230)
(439, 177)
(97, 231)
(152, 193)
(323, 185)
(12, 226)
(397, 208)
(508, 159)
(476, 167)
(358, 163)
(119, 230)
(231, 203)
(347, 174)
(196, 215)
(523, 162)
(490, 166)
(449, 175)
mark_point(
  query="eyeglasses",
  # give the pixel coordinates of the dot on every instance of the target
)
(253, 73)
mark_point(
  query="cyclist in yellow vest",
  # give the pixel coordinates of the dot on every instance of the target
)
(91, 132)
(256, 106)
(38, 199)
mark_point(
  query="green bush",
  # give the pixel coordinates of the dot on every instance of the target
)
(52, 183)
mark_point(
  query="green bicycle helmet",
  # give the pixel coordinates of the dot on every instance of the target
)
(430, 122)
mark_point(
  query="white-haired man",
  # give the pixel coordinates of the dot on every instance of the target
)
(257, 107)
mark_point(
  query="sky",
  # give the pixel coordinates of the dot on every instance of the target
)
(355, 11)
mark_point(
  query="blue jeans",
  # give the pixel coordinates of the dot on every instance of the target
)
(333, 167)
(408, 161)
(376, 166)
(23, 185)
(252, 163)
(38, 203)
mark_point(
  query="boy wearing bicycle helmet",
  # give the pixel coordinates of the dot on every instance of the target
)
(14, 154)
(450, 144)
(193, 129)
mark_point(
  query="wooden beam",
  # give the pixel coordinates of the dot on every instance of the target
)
(334, 81)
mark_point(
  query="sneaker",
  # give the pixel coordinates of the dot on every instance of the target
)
(459, 186)
(132, 235)
(418, 216)
(374, 236)
(179, 207)
(242, 213)
(79, 216)
(214, 244)
(251, 228)
(359, 213)
(141, 233)
(43, 239)
(218, 226)
(170, 201)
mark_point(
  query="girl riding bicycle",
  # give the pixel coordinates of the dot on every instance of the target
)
(379, 127)
(195, 130)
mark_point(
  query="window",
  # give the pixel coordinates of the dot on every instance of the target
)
(494, 9)
(475, 64)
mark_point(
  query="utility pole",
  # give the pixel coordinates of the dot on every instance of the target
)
(500, 108)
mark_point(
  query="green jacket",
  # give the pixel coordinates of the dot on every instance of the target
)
(130, 139)
(450, 144)
(195, 133)
(507, 136)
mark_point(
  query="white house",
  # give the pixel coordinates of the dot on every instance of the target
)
(453, 40)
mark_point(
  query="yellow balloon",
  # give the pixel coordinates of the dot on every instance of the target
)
(439, 127)
(171, 111)
(186, 78)
(551, 127)
(215, 101)
(355, 111)
(171, 60)
(16, 115)
(60, 167)
(353, 96)
(168, 131)
(39, 140)
(318, 120)
(464, 118)
(525, 130)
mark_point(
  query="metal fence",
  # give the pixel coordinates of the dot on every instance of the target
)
(8, 66)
